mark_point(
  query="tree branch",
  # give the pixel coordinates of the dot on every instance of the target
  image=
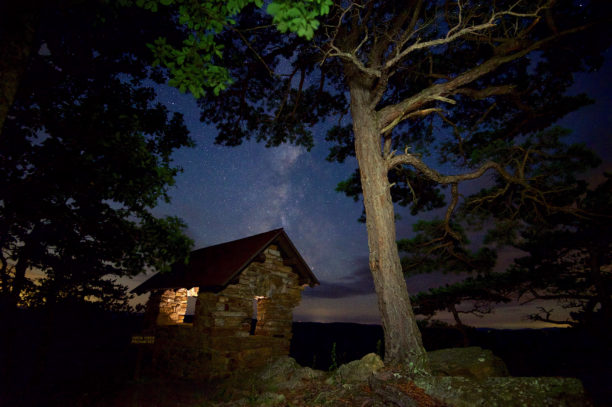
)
(418, 113)
(349, 57)
(457, 32)
(416, 162)
(486, 92)
(286, 95)
(449, 212)
(381, 45)
(249, 46)
(390, 113)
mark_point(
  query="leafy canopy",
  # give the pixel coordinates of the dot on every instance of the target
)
(197, 63)
(86, 155)
(566, 248)
(573, 269)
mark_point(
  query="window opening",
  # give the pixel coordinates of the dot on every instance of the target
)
(192, 298)
(255, 317)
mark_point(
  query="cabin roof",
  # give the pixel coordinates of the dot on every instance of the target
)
(213, 268)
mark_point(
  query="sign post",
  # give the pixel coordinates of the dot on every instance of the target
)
(141, 341)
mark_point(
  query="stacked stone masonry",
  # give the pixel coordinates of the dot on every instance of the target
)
(219, 341)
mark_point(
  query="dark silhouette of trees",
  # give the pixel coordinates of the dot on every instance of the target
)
(461, 80)
(568, 252)
(568, 264)
(474, 295)
(18, 21)
(84, 157)
(430, 252)
(573, 268)
(567, 248)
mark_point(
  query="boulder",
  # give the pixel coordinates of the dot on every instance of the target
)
(506, 391)
(286, 373)
(269, 399)
(262, 400)
(357, 370)
(473, 362)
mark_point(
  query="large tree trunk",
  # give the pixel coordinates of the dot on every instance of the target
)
(403, 344)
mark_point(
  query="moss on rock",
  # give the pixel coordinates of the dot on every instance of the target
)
(506, 391)
(472, 362)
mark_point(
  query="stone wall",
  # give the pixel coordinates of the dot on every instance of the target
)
(172, 307)
(168, 307)
(220, 341)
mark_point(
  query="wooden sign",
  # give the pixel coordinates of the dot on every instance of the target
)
(143, 340)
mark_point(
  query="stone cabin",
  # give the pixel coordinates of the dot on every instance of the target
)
(244, 291)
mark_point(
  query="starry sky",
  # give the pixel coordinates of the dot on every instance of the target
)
(226, 193)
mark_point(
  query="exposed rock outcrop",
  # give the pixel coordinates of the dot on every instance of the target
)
(367, 382)
(473, 362)
(286, 373)
(506, 391)
(357, 370)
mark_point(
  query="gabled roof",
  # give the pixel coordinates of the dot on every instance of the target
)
(213, 268)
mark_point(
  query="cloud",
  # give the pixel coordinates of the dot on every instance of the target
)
(357, 283)
(360, 282)
(326, 310)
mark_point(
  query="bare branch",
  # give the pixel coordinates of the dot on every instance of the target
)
(387, 145)
(457, 32)
(286, 95)
(335, 51)
(444, 99)
(391, 31)
(450, 210)
(347, 56)
(416, 162)
(483, 117)
(486, 92)
(379, 91)
(547, 318)
(299, 94)
(389, 114)
(418, 113)
(249, 46)
(530, 194)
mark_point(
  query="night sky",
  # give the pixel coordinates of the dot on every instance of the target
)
(226, 193)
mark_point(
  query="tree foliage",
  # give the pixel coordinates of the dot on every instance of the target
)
(198, 63)
(474, 295)
(540, 183)
(426, 81)
(18, 21)
(574, 268)
(480, 291)
(86, 155)
(430, 251)
(566, 248)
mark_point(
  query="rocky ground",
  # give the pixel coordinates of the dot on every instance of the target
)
(462, 377)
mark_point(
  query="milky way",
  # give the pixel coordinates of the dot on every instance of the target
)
(226, 193)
